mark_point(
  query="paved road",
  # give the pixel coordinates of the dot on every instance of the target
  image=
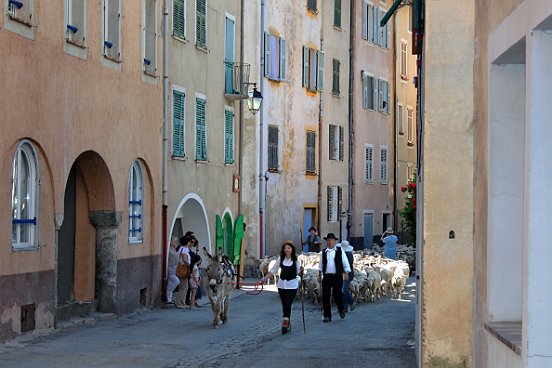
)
(373, 335)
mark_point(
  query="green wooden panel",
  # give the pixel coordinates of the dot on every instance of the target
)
(238, 236)
(219, 235)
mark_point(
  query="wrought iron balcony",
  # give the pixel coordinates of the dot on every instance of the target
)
(236, 79)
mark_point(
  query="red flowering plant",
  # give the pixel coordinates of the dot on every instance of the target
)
(408, 213)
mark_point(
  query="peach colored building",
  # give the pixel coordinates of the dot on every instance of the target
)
(80, 152)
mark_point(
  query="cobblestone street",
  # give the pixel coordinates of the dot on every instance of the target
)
(377, 334)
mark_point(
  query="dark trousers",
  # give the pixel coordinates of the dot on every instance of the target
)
(287, 296)
(332, 282)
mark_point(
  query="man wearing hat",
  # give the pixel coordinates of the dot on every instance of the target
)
(390, 244)
(313, 240)
(334, 268)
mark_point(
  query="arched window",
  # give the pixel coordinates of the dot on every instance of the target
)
(24, 185)
(135, 203)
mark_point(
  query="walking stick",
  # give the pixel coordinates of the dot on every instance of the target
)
(301, 238)
(303, 299)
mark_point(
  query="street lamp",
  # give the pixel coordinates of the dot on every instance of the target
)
(255, 99)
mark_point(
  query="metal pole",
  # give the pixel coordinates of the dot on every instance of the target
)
(165, 153)
(262, 189)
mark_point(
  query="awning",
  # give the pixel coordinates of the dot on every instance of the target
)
(390, 12)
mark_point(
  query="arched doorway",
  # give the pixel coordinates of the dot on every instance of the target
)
(86, 267)
(191, 216)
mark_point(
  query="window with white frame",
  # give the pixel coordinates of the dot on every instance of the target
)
(228, 136)
(369, 163)
(404, 53)
(20, 11)
(201, 129)
(149, 36)
(400, 118)
(336, 142)
(311, 152)
(371, 30)
(410, 125)
(383, 100)
(275, 66)
(313, 69)
(273, 148)
(135, 203)
(335, 200)
(409, 171)
(384, 174)
(369, 92)
(179, 18)
(75, 27)
(112, 29)
(201, 23)
(179, 126)
(25, 190)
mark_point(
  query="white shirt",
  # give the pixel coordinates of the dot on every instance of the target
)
(330, 266)
(185, 252)
(287, 284)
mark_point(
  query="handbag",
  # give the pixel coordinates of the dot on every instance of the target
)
(182, 271)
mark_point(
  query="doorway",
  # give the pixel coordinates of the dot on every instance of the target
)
(368, 229)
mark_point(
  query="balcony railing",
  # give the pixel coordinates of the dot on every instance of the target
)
(236, 79)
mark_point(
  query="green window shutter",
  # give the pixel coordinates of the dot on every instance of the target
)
(201, 144)
(266, 54)
(332, 142)
(228, 137)
(219, 236)
(179, 28)
(305, 66)
(337, 13)
(178, 124)
(201, 23)
(335, 75)
(311, 154)
(364, 21)
(320, 79)
(283, 66)
(341, 143)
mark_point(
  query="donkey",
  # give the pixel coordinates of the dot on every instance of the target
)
(218, 281)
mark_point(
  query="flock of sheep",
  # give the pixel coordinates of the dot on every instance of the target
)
(375, 276)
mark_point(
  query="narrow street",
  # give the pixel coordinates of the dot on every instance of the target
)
(377, 334)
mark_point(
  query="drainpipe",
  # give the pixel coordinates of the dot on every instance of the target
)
(394, 129)
(320, 125)
(351, 119)
(262, 175)
(165, 153)
(240, 121)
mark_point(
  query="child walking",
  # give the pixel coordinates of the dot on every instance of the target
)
(194, 280)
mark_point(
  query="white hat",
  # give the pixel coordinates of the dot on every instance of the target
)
(346, 246)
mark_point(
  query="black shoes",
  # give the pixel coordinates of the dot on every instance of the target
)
(326, 319)
(342, 314)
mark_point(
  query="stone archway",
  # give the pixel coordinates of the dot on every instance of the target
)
(87, 241)
(192, 216)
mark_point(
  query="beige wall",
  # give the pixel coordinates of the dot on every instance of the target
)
(448, 184)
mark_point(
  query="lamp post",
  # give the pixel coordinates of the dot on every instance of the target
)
(255, 100)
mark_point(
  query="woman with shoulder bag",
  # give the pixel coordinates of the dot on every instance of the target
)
(183, 271)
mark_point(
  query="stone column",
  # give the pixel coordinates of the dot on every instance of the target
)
(106, 224)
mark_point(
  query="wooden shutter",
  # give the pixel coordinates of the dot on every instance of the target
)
(228, 137)
(273, 148)
(369, 162)
(339, 202)
(179, 20)
(341, 143)
(267, 55)
(201, 23)
(311, 158)
(113, 29)
(375, 93)
(365, 22)
(274, 58)
(330, 203)
(383, 164)
(178, 124)
(76, 21)
(400, 113)
(150, 51)
(283, 55)
(337, 13)
(332, 142)
(305, 66)
(201, 144)
(320, 78)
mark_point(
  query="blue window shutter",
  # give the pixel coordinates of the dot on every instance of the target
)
(178, 124)
(305, 66)
(201, 144)
(283, 66)
(266, 54)
(228, 137)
